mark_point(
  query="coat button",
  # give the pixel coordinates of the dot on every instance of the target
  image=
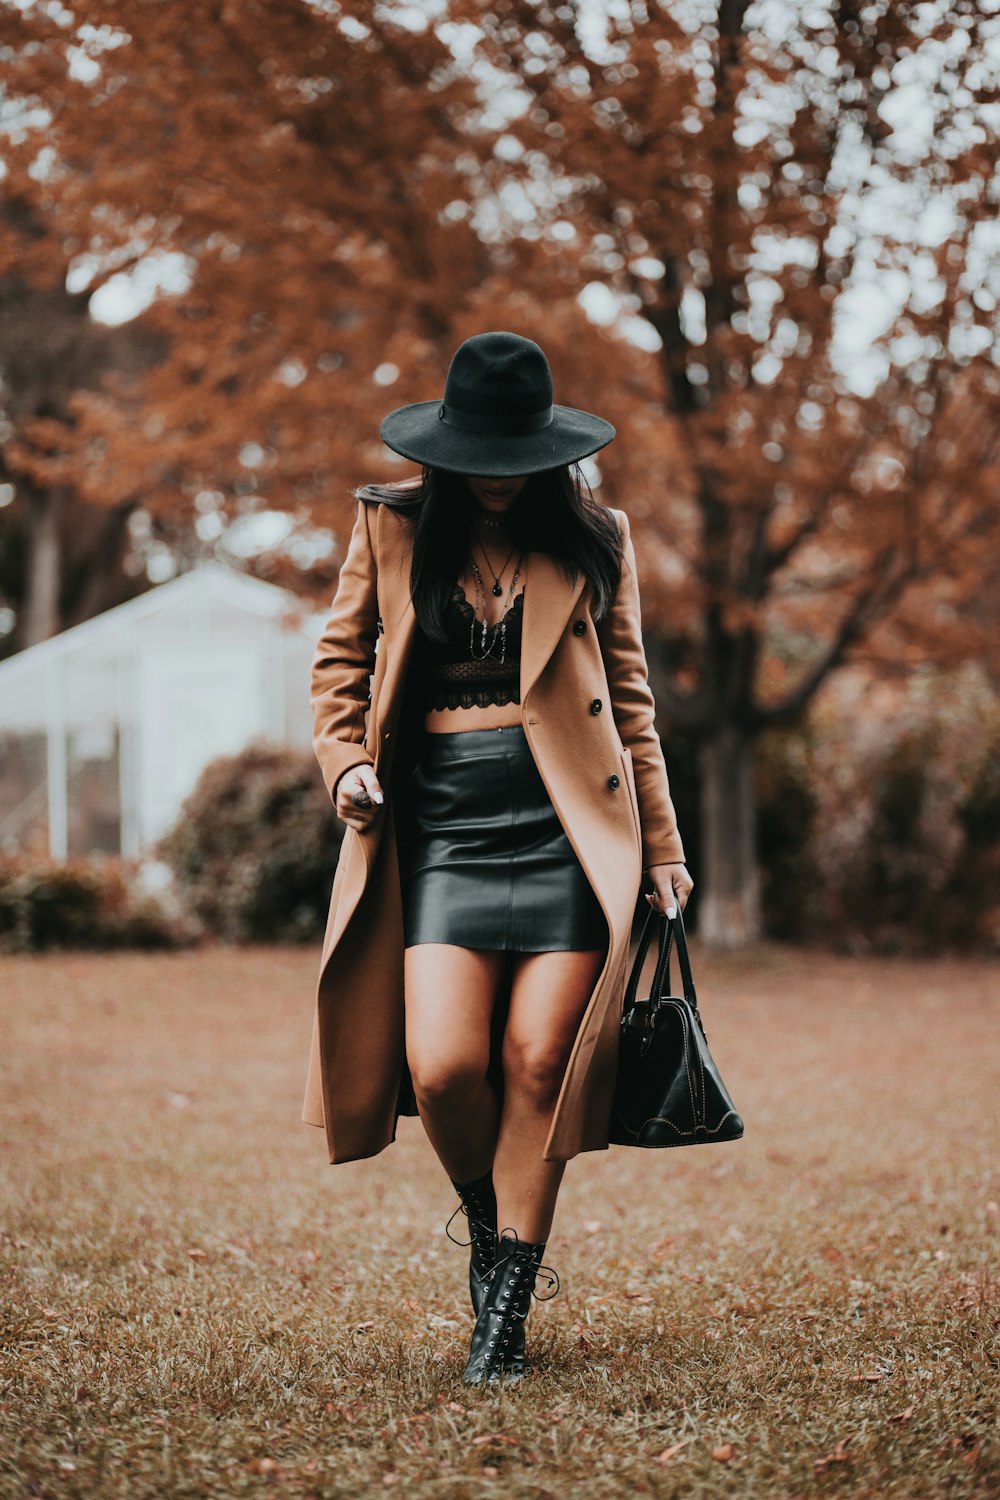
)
(381, 627)
(613, 781)
(579, 626)
(595, 706)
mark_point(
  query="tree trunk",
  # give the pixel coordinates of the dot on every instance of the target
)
(43, 567)
(729, 910)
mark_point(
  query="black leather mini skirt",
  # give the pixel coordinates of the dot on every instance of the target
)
(484, 860)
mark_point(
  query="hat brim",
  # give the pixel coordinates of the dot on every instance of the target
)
(417, 432)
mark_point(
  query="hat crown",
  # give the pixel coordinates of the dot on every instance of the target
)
(497, 416)
(499, 373)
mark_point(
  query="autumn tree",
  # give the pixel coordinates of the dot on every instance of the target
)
(279, 175)
(328, 200)
(737, 177)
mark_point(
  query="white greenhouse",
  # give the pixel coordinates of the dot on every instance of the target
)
(105, 728)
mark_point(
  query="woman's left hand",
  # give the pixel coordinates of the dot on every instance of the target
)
(671, 883)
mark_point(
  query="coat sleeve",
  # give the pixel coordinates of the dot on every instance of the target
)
(345, 659)
(620, 637)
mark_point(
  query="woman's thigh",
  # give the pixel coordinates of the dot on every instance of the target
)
(449, 996)
(549, 994)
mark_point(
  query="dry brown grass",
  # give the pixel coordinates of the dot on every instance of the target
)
(196, 1303)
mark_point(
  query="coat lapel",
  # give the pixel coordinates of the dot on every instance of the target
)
(549, 599)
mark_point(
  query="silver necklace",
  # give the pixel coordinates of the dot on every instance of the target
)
(500, 628)
(496, 577)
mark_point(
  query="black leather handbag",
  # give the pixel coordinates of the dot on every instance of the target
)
(668, 1090)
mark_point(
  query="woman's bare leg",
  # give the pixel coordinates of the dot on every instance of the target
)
(549, 993)
(449, 996)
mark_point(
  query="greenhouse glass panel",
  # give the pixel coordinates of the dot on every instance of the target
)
(24, 767)
(90, 677)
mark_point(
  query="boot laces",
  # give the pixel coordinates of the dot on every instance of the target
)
(482, 1240)
(551, 1276)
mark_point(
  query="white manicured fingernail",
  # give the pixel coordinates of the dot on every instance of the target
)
(378, 796)
(671, 911)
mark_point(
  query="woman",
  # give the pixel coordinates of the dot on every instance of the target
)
(492, 846)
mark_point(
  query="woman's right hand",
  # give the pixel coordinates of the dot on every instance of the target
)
(357, 779)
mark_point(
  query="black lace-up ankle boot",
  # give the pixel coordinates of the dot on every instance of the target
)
(479, 1204)
(496, 1352)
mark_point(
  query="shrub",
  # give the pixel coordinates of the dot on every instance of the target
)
(255, 846)
(80, 903)
(879, 818)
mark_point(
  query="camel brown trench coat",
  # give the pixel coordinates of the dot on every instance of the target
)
(587, 712)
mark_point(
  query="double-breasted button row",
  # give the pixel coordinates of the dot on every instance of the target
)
(614, 781)
(579, 626)
(380, 626)
(596, 706)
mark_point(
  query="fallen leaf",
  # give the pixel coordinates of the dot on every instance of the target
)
(197, 1255)
(490, 1472)
(668, 1453)
(723, 1453)
(968, 1444)
(835, 1456)
(903, 1416)
(593, 1226)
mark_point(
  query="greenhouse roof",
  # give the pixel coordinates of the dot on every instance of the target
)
(205, 581)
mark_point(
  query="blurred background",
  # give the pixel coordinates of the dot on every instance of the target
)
(760, 239)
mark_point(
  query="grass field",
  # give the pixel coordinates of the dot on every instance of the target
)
(196, 1303)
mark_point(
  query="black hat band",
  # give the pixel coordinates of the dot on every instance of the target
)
(495, 424)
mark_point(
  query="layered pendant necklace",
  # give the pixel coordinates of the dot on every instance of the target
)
(487, 642)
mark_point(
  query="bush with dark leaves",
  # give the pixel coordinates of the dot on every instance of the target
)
(255, 847)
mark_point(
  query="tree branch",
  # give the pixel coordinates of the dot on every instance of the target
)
(868, 607)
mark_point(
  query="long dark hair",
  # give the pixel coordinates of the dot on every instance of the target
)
(555, 513)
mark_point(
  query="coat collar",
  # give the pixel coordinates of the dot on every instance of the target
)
(549, 600)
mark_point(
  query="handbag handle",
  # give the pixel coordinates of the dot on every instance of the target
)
(670, 928)
(683, 960)
(640, 958)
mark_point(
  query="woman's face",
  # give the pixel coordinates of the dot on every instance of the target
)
(495, 495)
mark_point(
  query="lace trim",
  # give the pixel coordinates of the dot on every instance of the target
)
(473, 696)
(470, 614)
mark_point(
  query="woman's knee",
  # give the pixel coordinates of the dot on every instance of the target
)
(443, 1082)
(534, 1068)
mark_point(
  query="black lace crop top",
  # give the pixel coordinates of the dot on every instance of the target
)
(450, 675)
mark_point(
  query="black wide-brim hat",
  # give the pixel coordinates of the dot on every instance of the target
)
(497, 418)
